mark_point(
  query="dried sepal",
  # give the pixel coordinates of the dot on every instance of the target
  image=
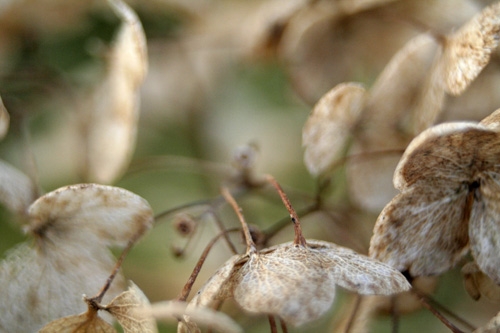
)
(329, 125)
(448, 179)
(172, 310)
(468, 50)
(4, 120)
(123, 308)
(72, 227)
(478, 284)
(112, 123)
(108, 215)
(88, 322)
(17, 191)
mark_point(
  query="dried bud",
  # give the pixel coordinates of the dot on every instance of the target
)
(244, 157)
(184, 224)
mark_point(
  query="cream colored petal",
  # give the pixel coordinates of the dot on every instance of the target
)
(108, 215)
(329, 126)
(123, 307)
(17, 191)
(112, 124)
(285, 282)
(424, 229)
(478, 284)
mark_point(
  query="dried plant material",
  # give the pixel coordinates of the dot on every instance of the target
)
(295, 281)
(112, 124)
(468, 50)
(329, 125)
(17, 191)
(73, 226)
(4, 120)
(298, 283)
(493, 326)
(447, 179)
(172, 310)
(88, 322)
(477, 284)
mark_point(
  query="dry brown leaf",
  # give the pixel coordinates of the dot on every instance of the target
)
(4, 120)
(329, 125)
(477, 284)
(468, 50)
(447, 177)
(112, 124)
(72, 227)
(123, 307)
(88, 322)
(17, 191)
(493, 326)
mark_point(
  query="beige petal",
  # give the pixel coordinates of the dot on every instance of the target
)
(123, 307)
(4, 120)
(424, 229)
(492, 121)
(358, 273)
(38, 287)
(468, 50)
(484, 230)
(112, 124)
(77, 213)
(88, 322)
(449, 151)
(286, 282)
(17, 191)
(329, 125)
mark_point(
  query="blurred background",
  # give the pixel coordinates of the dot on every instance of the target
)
(227, 80)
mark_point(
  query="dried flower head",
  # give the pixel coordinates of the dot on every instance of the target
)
(295, 281)
(72, 227)
(17, 191)
(448, 183)
(477, 284)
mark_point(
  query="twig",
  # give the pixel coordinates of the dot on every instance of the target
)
(435, 312)
(299, 237)
(237, 209)
(283, 326)
(394, 314)
(192, 278)
(354, 312)
(272, 323)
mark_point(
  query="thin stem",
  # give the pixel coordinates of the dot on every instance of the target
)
(354, 312)
(192, 278)
(447, 311)
(219, 223)
(30, 158)
(283, 326)
(237, 209)
(423, 299)
(394, 314)
(299, 237)
(272, 323)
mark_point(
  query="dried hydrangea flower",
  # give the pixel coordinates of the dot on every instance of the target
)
(17, 191)
(448, 179)
(295, 281)
(72, 228)
(478, 284)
